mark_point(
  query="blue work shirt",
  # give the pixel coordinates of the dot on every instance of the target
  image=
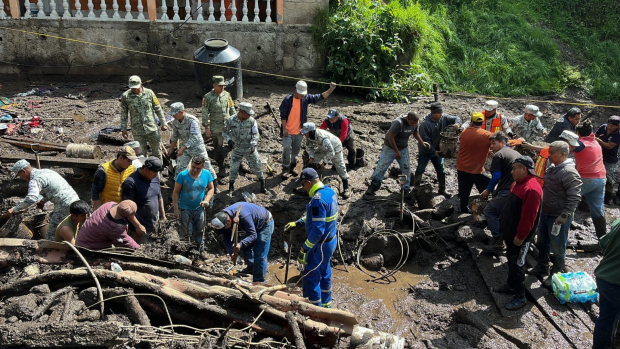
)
(193, 190)
(252, 218)
(146, 194)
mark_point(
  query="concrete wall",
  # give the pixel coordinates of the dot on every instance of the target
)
(302, 11)
(281, 49)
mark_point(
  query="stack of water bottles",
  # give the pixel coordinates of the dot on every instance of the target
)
(577, 287)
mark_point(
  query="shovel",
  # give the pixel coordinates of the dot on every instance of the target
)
(287, 248)
(264, 161)
(36, 153)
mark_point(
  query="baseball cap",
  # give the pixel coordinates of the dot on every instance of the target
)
(246, 107)
(332, 113)
(436, 107)
(301, 87)
(19, 165)
(490, 105)
(570, 137)
(153, 164)
(135, 82)
(307, 174)
(532, 109)
(477, 117)
(218, 79)
(175, 108)
(307, 127)
(219, 222)
(126, 208)
(527, 162)
(614, 120)
(128, 152)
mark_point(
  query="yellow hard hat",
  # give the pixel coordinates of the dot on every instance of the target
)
(477, 117)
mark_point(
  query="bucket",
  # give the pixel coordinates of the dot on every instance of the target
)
(449, 144)
(359, 157)
(84, 151)
(38, 224)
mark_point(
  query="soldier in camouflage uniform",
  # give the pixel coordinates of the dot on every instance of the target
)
(186, 130)
(241, 135)
(322, 145)
(217, 106)
(45, 185)
(142, 104)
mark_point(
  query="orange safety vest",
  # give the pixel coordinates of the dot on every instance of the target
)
(496, 125)
(541, 165)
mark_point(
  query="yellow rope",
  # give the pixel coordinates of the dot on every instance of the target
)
(295, 78)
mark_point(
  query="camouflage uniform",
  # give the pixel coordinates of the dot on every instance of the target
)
(326, 145)
(244, 135)
(143, 109)
(188, 133)
(530, 130)
(48, 185)
(215, 110)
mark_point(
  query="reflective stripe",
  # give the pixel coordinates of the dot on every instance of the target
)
(332, 218)
(327, 305)
(318, 219)
(496, 125)
(326, 290)
(316, 302)
(309, 244)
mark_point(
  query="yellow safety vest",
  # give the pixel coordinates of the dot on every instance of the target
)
(113, 182)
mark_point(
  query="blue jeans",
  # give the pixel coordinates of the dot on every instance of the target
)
(255, 256)
(317, 280)
(192, 223)
(494, 209)
(609, 305)
(291, 143)
(385, 160)
(548, 243)
(423, 160)
(593, 190)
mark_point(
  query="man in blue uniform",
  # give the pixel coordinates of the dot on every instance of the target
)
(320, 221)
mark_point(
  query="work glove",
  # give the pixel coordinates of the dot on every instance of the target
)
(290, 225)
(231, 144)
(561, 220)
(301, 257)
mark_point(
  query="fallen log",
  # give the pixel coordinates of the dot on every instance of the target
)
(84, 334)
(295, 332)
(136, 313)
(49, 161)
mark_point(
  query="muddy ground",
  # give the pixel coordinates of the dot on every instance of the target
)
(440, 277)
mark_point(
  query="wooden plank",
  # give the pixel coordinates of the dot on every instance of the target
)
(54, 161)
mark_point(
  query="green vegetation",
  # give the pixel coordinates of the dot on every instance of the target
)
(497, 47)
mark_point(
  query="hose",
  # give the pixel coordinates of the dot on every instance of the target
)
(99, 290)
(404, 250)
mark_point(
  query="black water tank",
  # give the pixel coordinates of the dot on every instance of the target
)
(217, 51)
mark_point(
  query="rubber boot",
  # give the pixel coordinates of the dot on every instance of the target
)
(231, 188)
(558, 265)
(345, 186)
(441, 178)
(539, 270)
(600, 226)
(216, 189)
(262, 186)
(370, 191)
(416, 191)
(293, 169)
(608, 197)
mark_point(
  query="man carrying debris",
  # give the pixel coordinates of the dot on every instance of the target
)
(241, 135)
(568, 122)
(143, 188)
(591, 168)
(340, 126)
(608, 286)
(433, 125)
(608, 136)
(493, 121)
(501, 172)
(473, 150)
(396, 147)
(186, 131)
(107, 226)
(111, 175)
(518, 224)
(217, 106)
(294, 113)
(528, 125)
(142, 104)
(193, 193)
(257, 223)
(320, 221)
(137, 163)
(324, 147)
(69, 228)
(561, 195)
(44, 185)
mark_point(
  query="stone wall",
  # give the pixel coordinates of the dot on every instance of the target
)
(281, 49)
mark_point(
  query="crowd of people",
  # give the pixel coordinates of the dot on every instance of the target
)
(527, 197)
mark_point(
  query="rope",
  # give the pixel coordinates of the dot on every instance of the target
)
(296, 78)
(99, 291)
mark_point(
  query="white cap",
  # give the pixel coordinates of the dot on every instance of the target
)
(532, 109)
(570, 137)
(301, 87)
(490, 105)
(135, 81)
(307, 127)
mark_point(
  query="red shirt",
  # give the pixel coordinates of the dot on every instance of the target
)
(589, 160)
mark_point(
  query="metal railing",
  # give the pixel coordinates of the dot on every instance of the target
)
(196, 11)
